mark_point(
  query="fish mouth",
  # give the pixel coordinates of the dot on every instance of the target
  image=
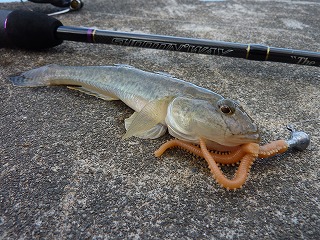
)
(246, 138)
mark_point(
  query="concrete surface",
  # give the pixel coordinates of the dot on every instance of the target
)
(66, 173)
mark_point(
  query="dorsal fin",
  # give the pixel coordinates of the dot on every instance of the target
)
(165, 74)
(124, 65)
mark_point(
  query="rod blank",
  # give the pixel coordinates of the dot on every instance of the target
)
(201, 46)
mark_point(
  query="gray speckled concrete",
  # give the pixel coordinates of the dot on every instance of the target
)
(66, 173)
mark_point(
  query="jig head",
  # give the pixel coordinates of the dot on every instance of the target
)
(298, 140)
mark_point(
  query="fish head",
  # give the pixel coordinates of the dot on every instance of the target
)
(223, 122)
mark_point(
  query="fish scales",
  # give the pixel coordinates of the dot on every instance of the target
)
(125, 82)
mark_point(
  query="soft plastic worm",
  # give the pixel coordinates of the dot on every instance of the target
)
(245, 154)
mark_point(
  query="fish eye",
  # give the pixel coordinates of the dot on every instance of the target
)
(225, 109)
(226, 106)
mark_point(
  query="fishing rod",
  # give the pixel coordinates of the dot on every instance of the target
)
(31, 30)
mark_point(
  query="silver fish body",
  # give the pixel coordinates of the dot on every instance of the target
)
(160, 101)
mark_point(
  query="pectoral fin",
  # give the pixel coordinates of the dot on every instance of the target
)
(153, 133)
(150, 115)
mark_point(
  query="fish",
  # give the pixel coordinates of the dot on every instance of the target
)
(161, 103)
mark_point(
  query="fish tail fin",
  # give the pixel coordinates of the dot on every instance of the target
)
(35, 77)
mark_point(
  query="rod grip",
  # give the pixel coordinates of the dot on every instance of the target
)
(27, 29)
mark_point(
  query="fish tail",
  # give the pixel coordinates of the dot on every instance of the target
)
(35, 78)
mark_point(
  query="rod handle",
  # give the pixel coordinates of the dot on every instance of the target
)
(27, 29)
